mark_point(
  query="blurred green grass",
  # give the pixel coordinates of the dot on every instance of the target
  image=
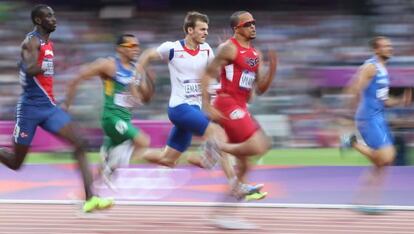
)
(305, 157)
(311, 157)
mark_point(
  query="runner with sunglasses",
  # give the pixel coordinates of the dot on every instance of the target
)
(187, 59)
(240, 67)
(125, 86)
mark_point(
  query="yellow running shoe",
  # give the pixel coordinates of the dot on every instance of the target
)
(95, 203)
(255, 196)
(105, 203)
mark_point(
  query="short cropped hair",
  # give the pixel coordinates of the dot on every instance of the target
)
(191, 18)
(121, 38)
(235, 18)
(373, 43)
(37, 11)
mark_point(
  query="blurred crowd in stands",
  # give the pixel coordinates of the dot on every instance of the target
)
(319, 44)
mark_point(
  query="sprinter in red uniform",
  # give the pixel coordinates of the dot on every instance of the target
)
(240, 68)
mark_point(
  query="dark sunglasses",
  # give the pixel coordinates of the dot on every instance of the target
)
(129, 45)
(246, 24)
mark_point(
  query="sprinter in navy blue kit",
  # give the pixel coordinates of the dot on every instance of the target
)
(37, 105)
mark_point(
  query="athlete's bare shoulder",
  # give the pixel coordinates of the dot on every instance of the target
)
(104, 67)
(367, 70)
(30, 43)
(227, 50)
(105, 61)
(108, 65)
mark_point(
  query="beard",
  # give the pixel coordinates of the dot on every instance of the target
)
(50, 29)
(252, 36)
(385, 57)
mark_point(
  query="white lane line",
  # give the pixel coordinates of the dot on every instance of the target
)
(360, 218)
(158, 210)
(208, 204)
(212, 229)
(156, 223)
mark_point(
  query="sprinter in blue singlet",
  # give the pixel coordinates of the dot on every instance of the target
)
(371, 86)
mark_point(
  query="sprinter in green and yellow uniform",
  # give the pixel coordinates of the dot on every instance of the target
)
(125, 87)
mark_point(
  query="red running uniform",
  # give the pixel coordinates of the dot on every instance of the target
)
(237, 81)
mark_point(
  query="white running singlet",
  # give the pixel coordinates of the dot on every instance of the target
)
(186, 67)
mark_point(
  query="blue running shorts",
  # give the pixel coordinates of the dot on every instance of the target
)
(375, 132)
(187, 120)
(51, 119)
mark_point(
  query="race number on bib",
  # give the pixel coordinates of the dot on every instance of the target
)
(47, 66)
(247, 79)
(382, 93)
(124, 100)
(192, 89)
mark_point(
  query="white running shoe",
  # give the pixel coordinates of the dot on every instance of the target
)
(347, 141)
(240, 190)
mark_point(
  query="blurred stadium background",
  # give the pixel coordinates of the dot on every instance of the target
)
(320, 44)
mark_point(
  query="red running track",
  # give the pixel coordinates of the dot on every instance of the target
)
(123, 219)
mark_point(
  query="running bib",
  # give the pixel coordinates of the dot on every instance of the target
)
(124, 100)
(246, 80)
(382, 93)
(192, 89)
(47, 66)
